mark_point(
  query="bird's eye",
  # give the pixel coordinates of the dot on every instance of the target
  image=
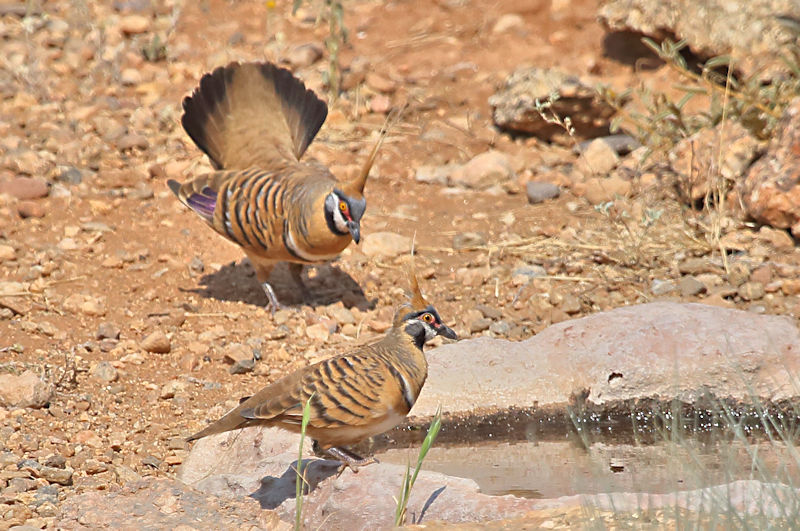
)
(342, 206)
(428, 318)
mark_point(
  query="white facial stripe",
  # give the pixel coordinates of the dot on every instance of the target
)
(338, 219)
(430, 332)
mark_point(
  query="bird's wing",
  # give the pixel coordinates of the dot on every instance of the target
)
(348, 390)
(252, 114)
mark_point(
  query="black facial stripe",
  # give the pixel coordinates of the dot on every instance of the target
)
(430, 309)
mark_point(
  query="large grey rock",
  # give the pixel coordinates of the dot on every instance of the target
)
(514, 105)
(660, 350)
(751, 31)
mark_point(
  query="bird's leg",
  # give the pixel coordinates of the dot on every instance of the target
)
(297, 275)
(349, 459)
(263, 269)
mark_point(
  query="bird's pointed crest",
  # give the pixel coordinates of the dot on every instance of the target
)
(417, 302)
(356, 186)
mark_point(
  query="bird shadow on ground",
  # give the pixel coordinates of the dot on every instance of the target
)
(327, 284)
(275, 490)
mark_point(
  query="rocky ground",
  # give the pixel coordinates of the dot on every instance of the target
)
(125, 323)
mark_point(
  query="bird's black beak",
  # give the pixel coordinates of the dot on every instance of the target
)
(355, 230)
(446, 331)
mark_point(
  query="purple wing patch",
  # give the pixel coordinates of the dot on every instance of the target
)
(203, 203)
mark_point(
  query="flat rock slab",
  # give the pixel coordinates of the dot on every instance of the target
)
(659, 351)
(162, 504)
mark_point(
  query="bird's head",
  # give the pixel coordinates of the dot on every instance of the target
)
(343, 213)
(419, 319)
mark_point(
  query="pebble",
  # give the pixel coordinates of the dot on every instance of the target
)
(661, 287)
(385, 244)
(157, 343)
(172, 388)
(791, 286)
(601, 190)
(242, 366)
(507, 22)
(379, 83)
(70, 175)
(55, 461)
(479, 325)
(689, 286)
(434, 174)
(105, 372)
(570, 304)
(318, 332)
(465, 240)
(93, 466)
(751, 291)
(108, 330)
(501, 328)
(695, 266)
(7, 253)
(62, 476)
(89, 438)
(304, 55)
(380, 104)
(489, 312)
(131, 141)
(598, 158)
(236, 352)
(483, 171)
(30, 209)
(24, 390)
(341, 315)
(538, 192)
(134, 24)
(25, 187)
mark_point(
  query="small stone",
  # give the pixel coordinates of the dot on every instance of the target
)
(385, 244)
(89, 438)
(434, 174)
(689, 286)
(236, 352)
(25, 187)
(30, 209)
(762, 274)
(489, 312)
(483, 171)
(466, 240)
(380, 83)
(341, 315)
(791, 286)
(25, 390)
(751, 291)
(318, 332)
(93, 466)
(539, 192)
(242, 366)
(599, 158)
(602, 190)
(7, 253)
(570, 304)
(130, 76)
(108, 330)
(380, 104)
(46, 493)
(304, 55)
(56, 461)
(197, 265)
(500, 328)
(662, 287)
(696, 266)
(130, 141)
(105, 372)
(172, 388)
(70, 175)
(157, 343)
(134, 24)
(47, 510)
(176, 443)
(479, 325)
(379, 325)
(509, 21)
(62, 476)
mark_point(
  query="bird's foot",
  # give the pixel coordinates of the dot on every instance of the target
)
(349, 459)
(273, 303)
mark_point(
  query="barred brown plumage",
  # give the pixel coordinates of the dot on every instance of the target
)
(354, 395)
(255, 121)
